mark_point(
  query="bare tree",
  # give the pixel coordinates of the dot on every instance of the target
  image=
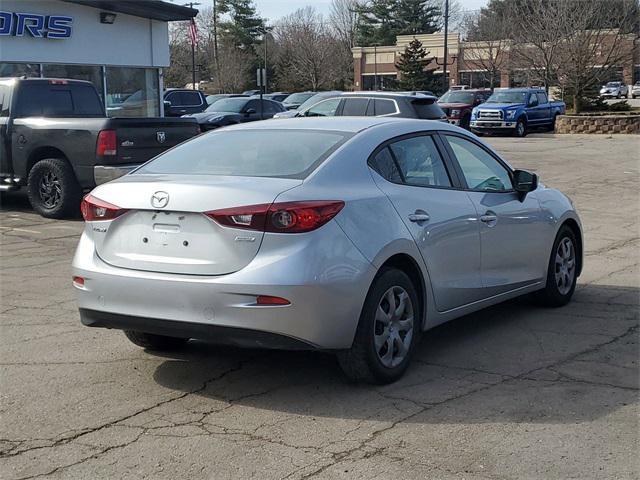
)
(593, 42)
(344, 20)
(537, 38)
(306, 51)
(488, 44)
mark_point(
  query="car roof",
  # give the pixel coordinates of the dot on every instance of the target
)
(340, 124)
(387, 94)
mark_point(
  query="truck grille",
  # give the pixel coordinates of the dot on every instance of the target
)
(490, 114)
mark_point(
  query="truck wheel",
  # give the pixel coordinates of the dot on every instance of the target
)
(53, 189)
(521, 128)
(465, 122)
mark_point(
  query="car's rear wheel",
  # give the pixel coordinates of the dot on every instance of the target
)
(387, 330)
(53, 189)
(562, 272)
(155, 342)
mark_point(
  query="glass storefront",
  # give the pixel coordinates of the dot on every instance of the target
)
(132, 92)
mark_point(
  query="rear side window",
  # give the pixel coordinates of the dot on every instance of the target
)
(542, 98)
(43, 99)
(428, 109)
(249, 153)
(383, 107)
(355, 107)
(414, 161)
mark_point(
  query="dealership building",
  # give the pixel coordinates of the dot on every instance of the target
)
(120, 46)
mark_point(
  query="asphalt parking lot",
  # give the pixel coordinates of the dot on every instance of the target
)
(512, 392)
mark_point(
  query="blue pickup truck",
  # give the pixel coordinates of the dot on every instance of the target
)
(516, 110)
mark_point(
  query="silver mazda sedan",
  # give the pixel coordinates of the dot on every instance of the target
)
(352, 235)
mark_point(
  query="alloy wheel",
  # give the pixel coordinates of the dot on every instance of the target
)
(565, 265)
(393, 330)
(50, 189)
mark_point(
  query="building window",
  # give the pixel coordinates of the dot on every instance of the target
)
(385, 81)
(480, 79)
(19, 69)
(132, 92)
(90, 73)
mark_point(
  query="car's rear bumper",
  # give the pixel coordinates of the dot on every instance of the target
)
(323, 275)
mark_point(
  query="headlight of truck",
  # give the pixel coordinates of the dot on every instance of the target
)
(511, 114)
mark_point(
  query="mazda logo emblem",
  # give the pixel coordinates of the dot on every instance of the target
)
(161, 137)
(159, 199)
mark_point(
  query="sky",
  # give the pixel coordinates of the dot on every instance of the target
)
(274, 9)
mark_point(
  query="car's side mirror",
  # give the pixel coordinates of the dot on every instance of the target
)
(250, 111)
(167, 104)
(524, 182)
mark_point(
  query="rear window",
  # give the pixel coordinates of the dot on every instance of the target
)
(44, 99)
(249, 153)
(427, 109)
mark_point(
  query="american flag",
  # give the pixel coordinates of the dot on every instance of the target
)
(193, 32)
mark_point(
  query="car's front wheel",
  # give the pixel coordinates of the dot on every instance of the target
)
(387, 330)
(562, 273)
(155, 342)
(521, 128)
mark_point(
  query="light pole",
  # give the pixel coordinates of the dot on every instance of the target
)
(445, 81)
(375, 66)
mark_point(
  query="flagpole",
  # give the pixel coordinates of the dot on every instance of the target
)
(192, 34)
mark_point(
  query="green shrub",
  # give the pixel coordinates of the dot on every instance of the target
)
(622, 106)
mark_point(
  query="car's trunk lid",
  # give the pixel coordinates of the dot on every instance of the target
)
(178, 237)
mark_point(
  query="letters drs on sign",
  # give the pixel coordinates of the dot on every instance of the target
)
(35, 25)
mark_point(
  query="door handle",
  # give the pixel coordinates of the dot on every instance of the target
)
(419, 216)
(489, 218)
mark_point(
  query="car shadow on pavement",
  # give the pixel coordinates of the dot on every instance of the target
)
(513, 362)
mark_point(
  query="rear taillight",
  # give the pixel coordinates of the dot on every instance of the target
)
(107, 144)
(289, 217)
(94, 209)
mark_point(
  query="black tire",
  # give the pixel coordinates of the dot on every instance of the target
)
(550, 295)
(155, 342)
(52, 175)
(465, 122)
(521, 128)
(552, 127)
(361, 362)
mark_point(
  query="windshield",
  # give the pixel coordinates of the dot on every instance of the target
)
(508, 97)
(613, 84)
(457, 97)
(298, 97)
(234, 105)
(249, 153)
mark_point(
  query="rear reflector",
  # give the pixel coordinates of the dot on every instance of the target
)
(268, 300)
(94, 209)
(287, 217)
(107, 143)
(78, 281)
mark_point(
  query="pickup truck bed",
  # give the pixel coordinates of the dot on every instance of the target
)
(56, 140)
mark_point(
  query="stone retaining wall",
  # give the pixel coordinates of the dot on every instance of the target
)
(598, 124)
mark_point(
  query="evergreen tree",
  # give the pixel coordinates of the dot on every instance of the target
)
(244, 27)
(380, 21)
(411, 67)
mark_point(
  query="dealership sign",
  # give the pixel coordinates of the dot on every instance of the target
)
(35, 25)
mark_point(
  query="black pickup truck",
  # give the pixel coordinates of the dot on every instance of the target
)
(56, 140)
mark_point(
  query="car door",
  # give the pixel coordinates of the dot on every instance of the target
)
(513, 230)
(441, 217)
(543, 107)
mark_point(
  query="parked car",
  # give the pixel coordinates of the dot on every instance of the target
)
(308, 103)
(318, 234)
(276, 96)
(56, 140)
(230, 111)
(374, 104)
(614, 89)
(294, 100)
(182, 101)
(635, 90)
(250, 93)
(516, 110)
(211, 99)
(458, 104)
